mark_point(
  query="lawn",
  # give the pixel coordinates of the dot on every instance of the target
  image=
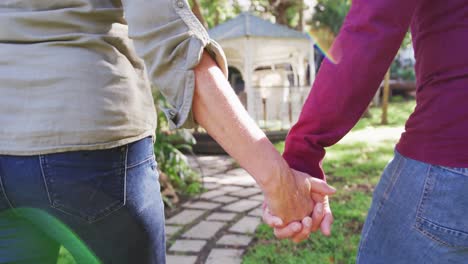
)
(353, 166)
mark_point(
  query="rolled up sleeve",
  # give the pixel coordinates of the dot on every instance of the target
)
(171, 41)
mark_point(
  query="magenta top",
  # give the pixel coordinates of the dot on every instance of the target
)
(371, 35)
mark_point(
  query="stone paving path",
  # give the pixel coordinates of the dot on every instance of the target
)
(218, 226)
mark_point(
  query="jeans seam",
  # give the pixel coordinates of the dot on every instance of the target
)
(396, 174)
(104, 212)
(125, 176)
(455, 170)
(418, 225)
(445, 229)
(2, 187)
(139, 163)
(42, 162)
(432, 237)
(425, 193)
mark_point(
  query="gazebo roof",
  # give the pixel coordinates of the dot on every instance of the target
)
(248, 25)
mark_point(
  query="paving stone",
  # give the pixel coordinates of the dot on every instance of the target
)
(246, 180)
(241, 206)
(246, 225)
(212, 171)
(256, 212)
(235, 240)
(201, 205)
(212, 194)
(171, 230)
(211, 179)
(231, 188)
(210, 185)
(225, 256)
(204, 230)
(188, 245)
(185, 217)
(238, 172)
(225, 217)
(173, 259)
(246, 192)
(225, 199)
(259, 197)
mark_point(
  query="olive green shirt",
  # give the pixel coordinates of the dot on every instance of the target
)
(77, 74)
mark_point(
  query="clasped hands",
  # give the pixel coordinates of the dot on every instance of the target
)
(298, 207)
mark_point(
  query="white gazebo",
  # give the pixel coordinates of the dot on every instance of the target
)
(271, 66)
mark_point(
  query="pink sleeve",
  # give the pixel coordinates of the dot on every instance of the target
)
(363, 51)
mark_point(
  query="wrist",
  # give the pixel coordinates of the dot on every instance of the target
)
(275, 178)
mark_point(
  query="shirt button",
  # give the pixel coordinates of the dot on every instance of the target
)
(180, 4)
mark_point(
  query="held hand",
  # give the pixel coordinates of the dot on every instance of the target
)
(298, 231)
(292, 199)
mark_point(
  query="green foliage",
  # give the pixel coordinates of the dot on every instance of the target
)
(330, 14)
(216, 12)
(353, 166)
(402, 71)
(171, 160)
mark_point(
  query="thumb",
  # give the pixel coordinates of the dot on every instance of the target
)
(320, 186)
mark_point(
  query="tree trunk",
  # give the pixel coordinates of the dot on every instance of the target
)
(301, 23)
(386, 95)
(197, 12)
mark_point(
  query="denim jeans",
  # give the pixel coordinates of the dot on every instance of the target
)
(419, 214)
(103, 204)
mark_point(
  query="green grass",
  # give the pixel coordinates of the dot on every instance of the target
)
(353, 166)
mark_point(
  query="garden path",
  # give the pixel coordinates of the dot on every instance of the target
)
(218, 225)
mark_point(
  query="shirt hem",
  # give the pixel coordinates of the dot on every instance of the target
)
(69, 148)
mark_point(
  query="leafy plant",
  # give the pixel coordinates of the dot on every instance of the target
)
(178, 178)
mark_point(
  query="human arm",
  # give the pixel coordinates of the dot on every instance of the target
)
(180, 60)
(218, 110)
(368, 41)
(362, 53)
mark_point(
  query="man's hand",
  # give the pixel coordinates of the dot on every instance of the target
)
(299, 231)
(295, 196)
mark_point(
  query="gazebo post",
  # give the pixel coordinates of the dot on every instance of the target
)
(248, 71)
(311, 62)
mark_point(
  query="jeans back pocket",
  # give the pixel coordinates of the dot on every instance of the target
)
(86, 184)
(443, 208)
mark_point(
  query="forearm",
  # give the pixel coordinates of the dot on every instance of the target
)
(217, 109)
(362, 53)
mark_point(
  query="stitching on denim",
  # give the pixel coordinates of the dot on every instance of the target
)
(456, 170)
(425, 192)
(393, 179)
(125, 176)
(428, 235)
(102, 213)
(2, 188)
(42, 162)
(444, 228)
(141, 162)
(432, 237)
(418, 225)
(110, 209)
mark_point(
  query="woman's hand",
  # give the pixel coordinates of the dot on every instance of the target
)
(295, 196)
(299, 231)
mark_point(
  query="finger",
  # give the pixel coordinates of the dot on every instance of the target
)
(320, 186)
(326, 226)
(305, 232)
(289, 231)
(317, 216)
(271, 220)
(318, 197)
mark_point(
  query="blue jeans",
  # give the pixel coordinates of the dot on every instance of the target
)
(103, 206)
(419, 214)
